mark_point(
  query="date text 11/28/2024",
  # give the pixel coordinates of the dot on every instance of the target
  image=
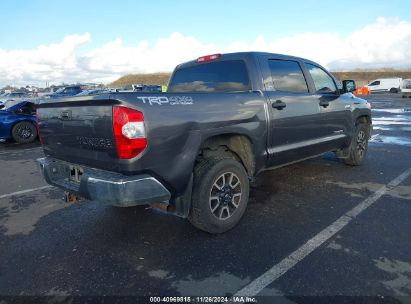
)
(235, 299)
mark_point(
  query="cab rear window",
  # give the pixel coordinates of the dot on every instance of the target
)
(220, 76)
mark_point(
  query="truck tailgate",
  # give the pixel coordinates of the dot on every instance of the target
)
(79, 130)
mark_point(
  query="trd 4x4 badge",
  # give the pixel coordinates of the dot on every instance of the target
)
(163, 100)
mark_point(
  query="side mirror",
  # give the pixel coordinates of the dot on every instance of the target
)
(348, 86)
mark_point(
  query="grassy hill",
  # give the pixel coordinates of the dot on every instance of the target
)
(155, 78)
(362, 77)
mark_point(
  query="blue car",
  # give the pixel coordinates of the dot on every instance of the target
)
(65, 92)
(18, 121)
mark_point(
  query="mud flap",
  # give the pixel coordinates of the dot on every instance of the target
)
(183, 203)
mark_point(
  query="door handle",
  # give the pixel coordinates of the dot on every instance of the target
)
(278, 104)
(324, 103)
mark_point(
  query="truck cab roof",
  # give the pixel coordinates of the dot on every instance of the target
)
(252, 67)
(247, 56)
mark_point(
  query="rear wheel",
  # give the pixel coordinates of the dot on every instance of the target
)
(220, 195)
(393, 90)
(359, 145)
(24, 132)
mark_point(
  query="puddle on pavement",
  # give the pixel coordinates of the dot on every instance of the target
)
(357, 189)
(336, 246)
(19, 215)
(220, 283)
(400, 119)
(401, 284)
(57, 292)
(376, 122)
(381, 128)
(160, 274)
(365, 189)
(397, 120)
(393, 140)
(393, 110)
(386, 127)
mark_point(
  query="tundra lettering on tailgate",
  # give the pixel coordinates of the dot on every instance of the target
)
(172, 100)
(95, 143)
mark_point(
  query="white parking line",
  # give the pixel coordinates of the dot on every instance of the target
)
(24, 191)
(298, 255)
(19, 151)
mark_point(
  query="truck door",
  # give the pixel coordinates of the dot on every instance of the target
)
(295, 130)
(335, 108)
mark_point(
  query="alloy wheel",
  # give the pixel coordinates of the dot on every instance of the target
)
(225, 195)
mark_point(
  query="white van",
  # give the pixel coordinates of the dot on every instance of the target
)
(406, 88)
(391, 85)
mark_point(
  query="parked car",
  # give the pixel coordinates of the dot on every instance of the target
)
(13, 96)
(146, 88)
(391, 85)
(93, 91)
(193, 150)
(406, 88)
(118, 89)
(18, 121)
(65, 92)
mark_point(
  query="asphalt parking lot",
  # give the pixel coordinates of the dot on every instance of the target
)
(316, 228)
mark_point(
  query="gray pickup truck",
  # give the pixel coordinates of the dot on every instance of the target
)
(194, 150)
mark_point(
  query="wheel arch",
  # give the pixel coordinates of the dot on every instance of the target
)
(363, 118)
(238, 146)
(231, 145)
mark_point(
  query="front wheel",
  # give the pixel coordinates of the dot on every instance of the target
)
(24, 132)
(220, 195)
(359, 145)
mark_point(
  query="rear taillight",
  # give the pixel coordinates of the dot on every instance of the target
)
(129, 132)
(208, 58)
(37, 127)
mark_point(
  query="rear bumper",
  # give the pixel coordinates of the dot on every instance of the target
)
(104, 186)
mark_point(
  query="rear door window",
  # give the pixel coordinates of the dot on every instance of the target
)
(323, 82)
(219, 76)
(287, 76)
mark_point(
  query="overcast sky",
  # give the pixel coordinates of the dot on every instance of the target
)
(98, 41)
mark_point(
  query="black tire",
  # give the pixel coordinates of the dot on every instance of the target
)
(24, 132)
(359, 145)
(212, 209)
(393, 90)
